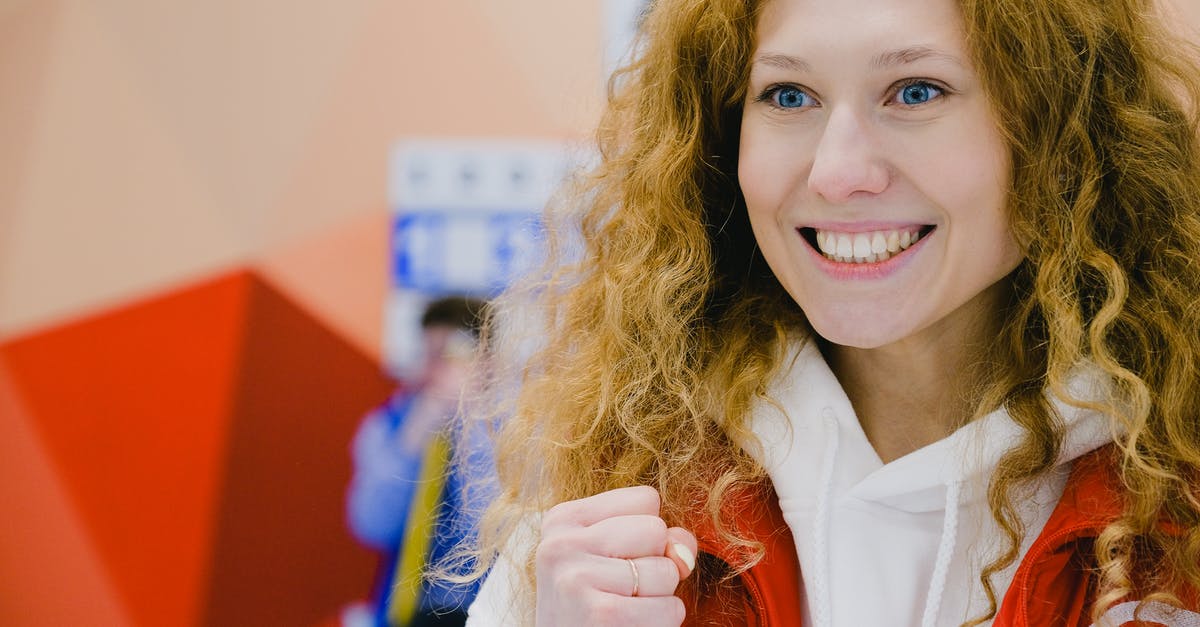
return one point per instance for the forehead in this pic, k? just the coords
(838, 27)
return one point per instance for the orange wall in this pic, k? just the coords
(148, 143)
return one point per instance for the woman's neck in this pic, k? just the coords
(919, 390)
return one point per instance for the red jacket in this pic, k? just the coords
(1052, 587)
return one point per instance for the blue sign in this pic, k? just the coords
(465, 251)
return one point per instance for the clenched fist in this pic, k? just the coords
(609, 559)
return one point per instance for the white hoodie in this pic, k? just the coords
(895, 544)
(901, 543)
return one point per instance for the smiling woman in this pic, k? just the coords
(884, 315)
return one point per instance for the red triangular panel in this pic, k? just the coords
(133, 407)
(282, 554)
(44, 547)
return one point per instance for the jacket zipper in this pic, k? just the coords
(1036, 550)
(759, 606)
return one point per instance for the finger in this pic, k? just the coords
(655, 576)
(615, 609)
(682, 550)
(587, 511)
(621, 536)
(626, 536)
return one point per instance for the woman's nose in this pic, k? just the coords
(847, 159)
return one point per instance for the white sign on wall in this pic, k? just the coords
(465, 221)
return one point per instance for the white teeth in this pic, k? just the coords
(867, 247)
(827, 243)
(844, 247)
(878, 243)
(862, 246)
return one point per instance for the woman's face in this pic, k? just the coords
(874, 173)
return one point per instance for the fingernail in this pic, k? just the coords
(686, 555)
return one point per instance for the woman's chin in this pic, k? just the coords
(863, 334)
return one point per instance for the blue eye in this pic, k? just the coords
(918, 93)
(791, 98)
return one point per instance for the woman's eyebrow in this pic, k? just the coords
(912, 54)
(783, 62)
(891, 58)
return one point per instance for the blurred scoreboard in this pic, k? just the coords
(466, 220)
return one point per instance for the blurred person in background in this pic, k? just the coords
(407, 496)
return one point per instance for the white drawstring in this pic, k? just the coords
(822, 614)
(941, 568)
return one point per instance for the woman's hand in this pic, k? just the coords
(610, 560)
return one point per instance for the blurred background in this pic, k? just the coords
(219, 222)
(204, 209)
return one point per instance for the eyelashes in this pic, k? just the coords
(909, 93)
(787, 96)
(916, 92)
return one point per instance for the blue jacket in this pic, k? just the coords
(381, 494)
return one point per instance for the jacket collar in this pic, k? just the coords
(1092, 498)
(773, 593)
(1051, 584)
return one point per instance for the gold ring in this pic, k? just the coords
(636, 579)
